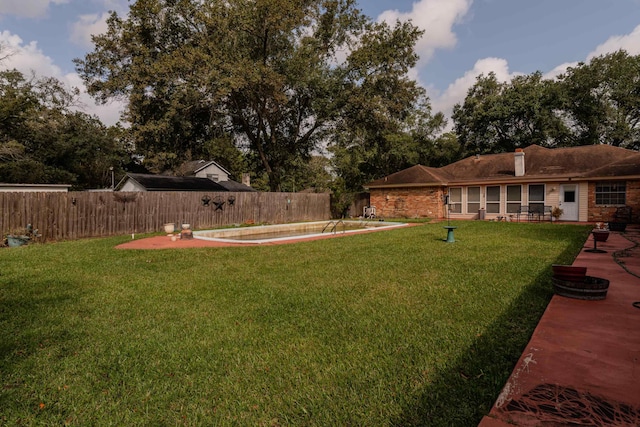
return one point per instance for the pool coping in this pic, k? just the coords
(265, 229)
(165, 242)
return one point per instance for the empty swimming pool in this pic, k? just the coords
(302, 230)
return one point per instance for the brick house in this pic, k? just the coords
(589, 183)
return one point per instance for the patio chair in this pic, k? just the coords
(369, 212)
(547, 213)
(536, 213)
(523, 210)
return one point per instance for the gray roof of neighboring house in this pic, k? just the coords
(235, 186)
(591, 161)
(173, 183)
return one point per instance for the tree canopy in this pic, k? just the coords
(592, 103)
(281, 78)
(42, 140)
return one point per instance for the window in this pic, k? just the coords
(455, 200)
(570, 196)
(514, 198)
(611, 193)
(473, 199)
(213, 176)
(493, 199)
(536, 198)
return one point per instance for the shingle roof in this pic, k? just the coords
(629, 166)
(540, 163)
(235, 186)
(415, 175)
(175, 183)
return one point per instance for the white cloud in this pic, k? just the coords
(86, 26)
(27, 8)
(436, 18)
(560, 69)
(28, 58)
(457, 91)
(629, 42)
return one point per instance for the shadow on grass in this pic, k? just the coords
(30, 323)
(465, 392)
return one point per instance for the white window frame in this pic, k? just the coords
(455, 200)
(492, 206)
(513, 205)
(473, 204)
(536, 204)
(611, 193)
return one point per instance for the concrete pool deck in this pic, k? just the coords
(582, 364)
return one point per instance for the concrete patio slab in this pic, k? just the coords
(582, 364)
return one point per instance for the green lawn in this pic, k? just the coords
(387, 328)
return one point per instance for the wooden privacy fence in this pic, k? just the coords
(74, 215)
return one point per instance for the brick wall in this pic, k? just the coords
(605, 213)
(425, 202)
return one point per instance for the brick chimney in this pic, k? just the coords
(519, 162)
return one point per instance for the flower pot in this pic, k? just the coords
(169, 228)
(600, 235)
(186, 226)
(569, 273)
(617, 226)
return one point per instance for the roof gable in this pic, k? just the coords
(195, 166)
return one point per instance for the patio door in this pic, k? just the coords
(569, 202)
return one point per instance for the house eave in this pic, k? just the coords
(411, 185)
(609, 178)
(514, 180)
(505, 180)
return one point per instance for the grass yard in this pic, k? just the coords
(388, 328)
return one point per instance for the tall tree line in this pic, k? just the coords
(45, 140)
(592, 103)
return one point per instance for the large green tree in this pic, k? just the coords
(502, 116)
(592, 103)
(44, 140)
(602, 100)
(281, 77)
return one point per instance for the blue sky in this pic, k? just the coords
(463, 38)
